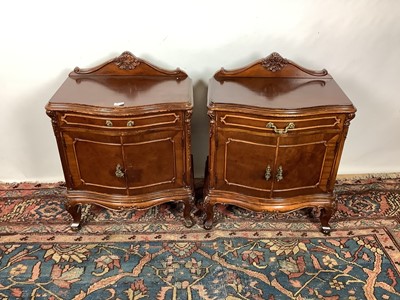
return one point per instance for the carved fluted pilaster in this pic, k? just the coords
(211, 115)
(188, 154)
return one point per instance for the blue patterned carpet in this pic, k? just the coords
(150, 255)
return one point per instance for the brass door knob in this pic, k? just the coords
(279, 174)
(268, 173)
(119, 172)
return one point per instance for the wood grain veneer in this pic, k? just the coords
(123, 134)
(277, 132)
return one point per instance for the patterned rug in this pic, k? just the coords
(149, 254)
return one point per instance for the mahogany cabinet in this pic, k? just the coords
(123, 134)
(277, 132)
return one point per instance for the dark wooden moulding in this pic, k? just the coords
(277, 132)
(123, 135)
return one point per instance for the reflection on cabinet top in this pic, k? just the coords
(106, 90)
(277, 83)
(124, 82)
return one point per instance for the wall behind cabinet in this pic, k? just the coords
(41, 41)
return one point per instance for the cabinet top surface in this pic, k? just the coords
(105, 91)
(277, 83)
(277, 93)
(125, 81)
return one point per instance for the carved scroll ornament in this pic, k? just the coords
(274, 62)
(127, 61)
(128, 64)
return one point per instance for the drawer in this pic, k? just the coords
(280, 125)
(135, 122)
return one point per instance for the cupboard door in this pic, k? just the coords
(244, 163)
(153, 161)
(95, 162)
(304, 163)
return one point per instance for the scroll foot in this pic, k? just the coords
(326, 230)
(208, 224)
(75, 226)
(76, 212)
(326, 214)
(209, 210)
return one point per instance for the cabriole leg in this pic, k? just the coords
(76, 212)
(209, 210)
(326, 214)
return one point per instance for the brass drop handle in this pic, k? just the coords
(268, 173)
(281, 131)
(130, 123)
(109, 123)
(279, 174)
(119, 172)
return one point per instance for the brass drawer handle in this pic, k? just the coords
(118, 171)
(281, 131)
(279, 174)
(268, 173)
(130, 123)
(109, 123)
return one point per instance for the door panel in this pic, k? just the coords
(304, 163)
(153, 161)
(94, 160)
(299, 165)
(242, 163)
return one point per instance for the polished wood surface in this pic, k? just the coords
(278, 93)
(128, 64)
(104, 91)
(123, 133)
(277, 131)
(274, 65)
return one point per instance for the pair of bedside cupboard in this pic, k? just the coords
(277, 132)
(123, 135)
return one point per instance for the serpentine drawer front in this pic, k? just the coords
(123, 134)
(134, 122)
(279, 126)
(277, 131)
